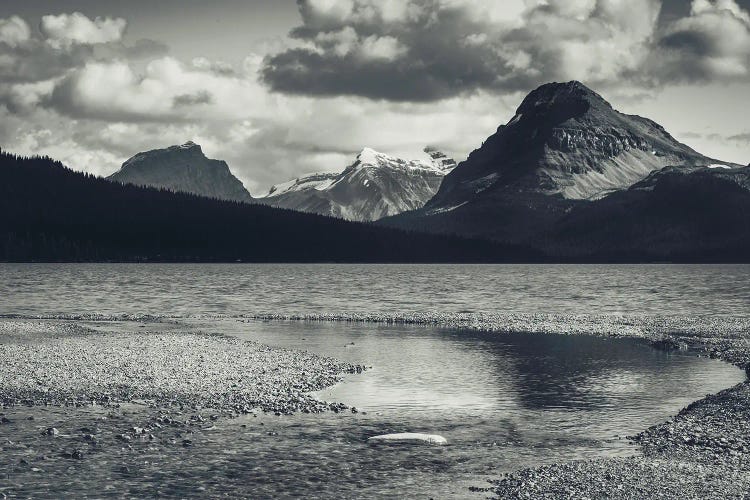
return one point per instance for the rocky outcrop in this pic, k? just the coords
(183, 169)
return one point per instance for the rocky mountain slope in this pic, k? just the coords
(374, 186)
(565, 147)
(182, 169)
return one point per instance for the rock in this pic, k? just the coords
(409, 438)
(669, 344)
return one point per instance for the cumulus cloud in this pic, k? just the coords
(167, 90)
(14, 31)
(433, 49)
(64, 42)
(713, 42)
(65, 30)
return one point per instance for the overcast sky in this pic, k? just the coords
(279, 88)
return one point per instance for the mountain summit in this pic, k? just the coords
(565, 145)
(566, 139)
(185, 169)
(376, 185)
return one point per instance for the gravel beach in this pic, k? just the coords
(66, 364)
(703, 452)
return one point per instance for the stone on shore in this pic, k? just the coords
(409, 438)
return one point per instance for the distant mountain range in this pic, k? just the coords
(182, 169)
(374, 186)
(51, 213)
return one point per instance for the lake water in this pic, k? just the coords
(183, 289)
(502, 401)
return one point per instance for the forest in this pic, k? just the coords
(50, 213)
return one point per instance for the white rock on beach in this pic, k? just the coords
(409, 438)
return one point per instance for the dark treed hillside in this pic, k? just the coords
(676, 214)
(51, 213)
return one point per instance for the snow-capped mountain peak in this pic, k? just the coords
(187, 145)
(434, 161)
(375, 185)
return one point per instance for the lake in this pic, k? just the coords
(184, 289)
(503, 401)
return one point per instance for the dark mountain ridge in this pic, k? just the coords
(565, 148)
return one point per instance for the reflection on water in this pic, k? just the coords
(182, 289)
(502, 401)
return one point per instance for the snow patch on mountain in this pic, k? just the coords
(618, 172)
(316, 180)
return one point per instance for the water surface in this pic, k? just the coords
(183, 289)
(502, 401)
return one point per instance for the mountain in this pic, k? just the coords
(51, 213)
(564, 148)
(182, 169)
(677, 213)
(374, 186)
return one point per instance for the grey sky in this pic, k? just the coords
(279, 88)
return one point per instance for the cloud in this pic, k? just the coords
(712, 43)
(167, 90)
(194, 99)
(434, 49)
(742, 138)
(14, 31)
(65, 42)
(66, 30)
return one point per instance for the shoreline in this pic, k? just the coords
(725, 338)
(702, 452)
(78, 405)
